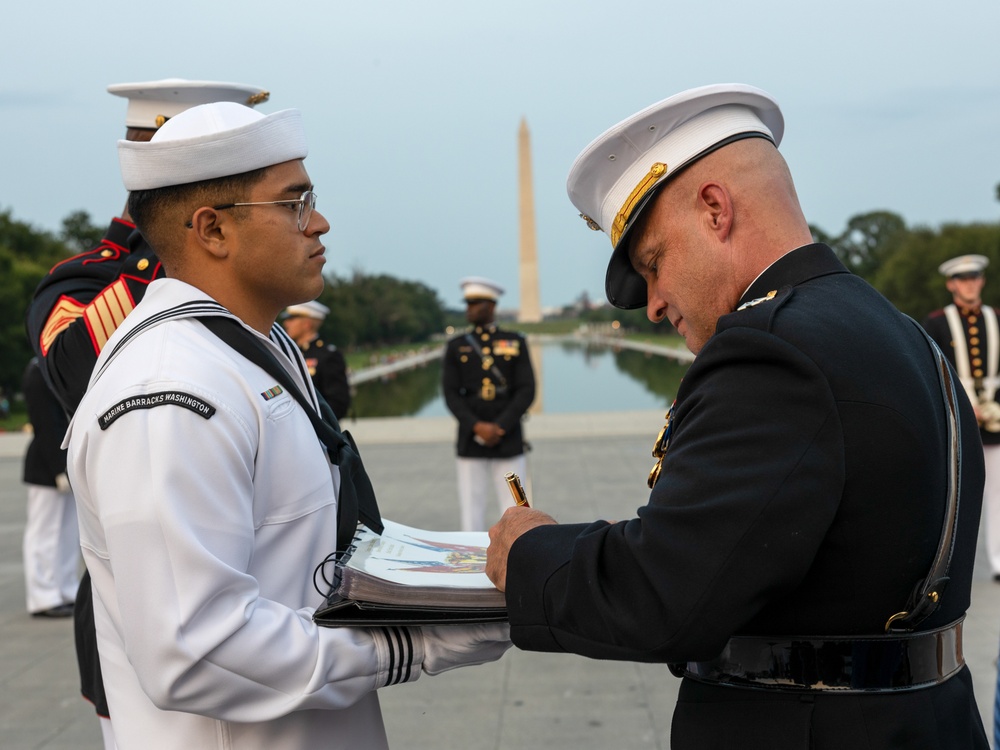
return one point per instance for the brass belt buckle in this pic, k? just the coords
(489, 391)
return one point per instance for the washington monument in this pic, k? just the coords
(530, 310)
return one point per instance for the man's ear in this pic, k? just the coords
(211, 229)
(717, 204)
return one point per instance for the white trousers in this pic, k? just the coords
(107, 734)
(51, 548)
(480, 477)
(991, 505)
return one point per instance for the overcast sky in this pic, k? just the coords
(412, 110)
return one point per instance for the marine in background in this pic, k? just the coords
(326, 363)
(51, 535)
(968, 334)
(488, 384)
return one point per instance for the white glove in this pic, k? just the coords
(452, 646)
(62, 482)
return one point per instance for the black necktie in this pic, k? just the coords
(357, 496)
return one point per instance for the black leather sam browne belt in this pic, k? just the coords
(845, 665)
(899, 660)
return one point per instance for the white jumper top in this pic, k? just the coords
(205, 502)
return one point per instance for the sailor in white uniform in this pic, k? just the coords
(205, 498)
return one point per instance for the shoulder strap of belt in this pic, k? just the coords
(357, 496)
(926, 596)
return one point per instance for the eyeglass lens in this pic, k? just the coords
(306, 206)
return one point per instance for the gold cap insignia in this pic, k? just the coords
(621, 220)
(591, 223)
(258, 98)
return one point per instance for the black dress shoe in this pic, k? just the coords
(63, 610)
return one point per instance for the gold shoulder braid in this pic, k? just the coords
(660, 446)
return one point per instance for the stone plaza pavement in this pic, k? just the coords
(583, 467)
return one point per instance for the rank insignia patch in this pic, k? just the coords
(63, 314)
(150, 400)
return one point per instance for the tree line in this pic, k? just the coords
(902, 262)
(365, 310)
(376, 310)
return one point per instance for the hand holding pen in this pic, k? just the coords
(514, 522)
(517, 489)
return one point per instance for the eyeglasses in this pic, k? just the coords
(306, 203)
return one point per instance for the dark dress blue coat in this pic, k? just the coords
(802, 493)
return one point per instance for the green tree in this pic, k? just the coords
(818, 235)
(867, 241)
(909, 276)
(26, 255)
(379, 310)
(79, 234)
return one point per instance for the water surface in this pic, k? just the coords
(571, 377)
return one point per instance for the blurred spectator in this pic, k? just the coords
(51, 536)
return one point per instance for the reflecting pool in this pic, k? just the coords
(571, 376)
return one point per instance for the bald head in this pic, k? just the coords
(746, 190)
(760, 185)
(710, 232)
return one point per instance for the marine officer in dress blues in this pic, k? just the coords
(82, 301)
(791, 558)
(488, 385)
(326, 363)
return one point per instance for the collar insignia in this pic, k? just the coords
(755, 302)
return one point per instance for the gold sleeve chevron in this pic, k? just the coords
(103, 316)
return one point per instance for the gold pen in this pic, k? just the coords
(516, 490)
